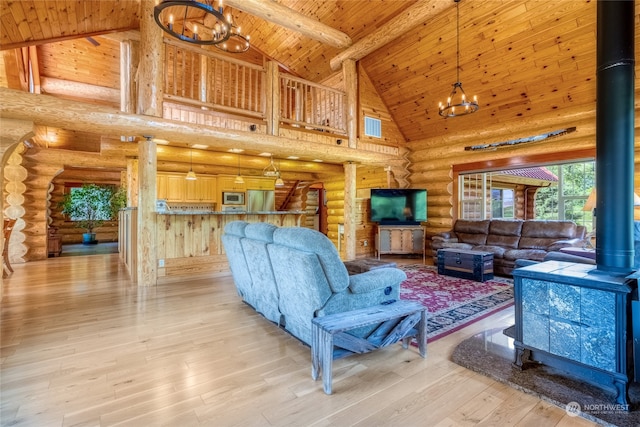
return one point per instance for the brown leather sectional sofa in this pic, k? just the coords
(510, 240)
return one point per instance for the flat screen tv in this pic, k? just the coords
(399, 206)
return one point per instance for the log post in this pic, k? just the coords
(349, 211)
(129, 57)
(272, 108)
(132, 182)
(351, 88)
(150, 70)
(147, 273)
(150, 94)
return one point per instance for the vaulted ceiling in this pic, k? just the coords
(521, 58)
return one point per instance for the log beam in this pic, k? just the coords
(396, 27)
(82, 116)
(283, 16)
(53, 86)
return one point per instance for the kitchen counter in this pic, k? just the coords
(188, 241)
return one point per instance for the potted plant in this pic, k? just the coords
(91, 205)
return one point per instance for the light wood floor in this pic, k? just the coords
(82, 346)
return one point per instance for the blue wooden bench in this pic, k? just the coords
(330, 338)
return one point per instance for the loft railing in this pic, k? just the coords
(196, 77)
(310, 105)
(200, 78)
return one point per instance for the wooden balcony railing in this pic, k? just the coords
(201, 78)
(311, 105)
(196, 77)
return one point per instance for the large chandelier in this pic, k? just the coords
(200, 23)
(457, 103)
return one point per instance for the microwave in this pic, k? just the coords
(233, 198)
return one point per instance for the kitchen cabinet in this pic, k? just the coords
(175, 188)
(227, 183)
(255, 183)
(202, 189)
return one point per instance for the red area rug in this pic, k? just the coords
(453, 303)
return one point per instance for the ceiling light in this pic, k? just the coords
(271, 170)
(457, 103)
(318, 160)
(237, 42)
(235, 150)
(279, 182)
(192, 21)
(200, 146)
(239, 179)
(293, 157)
(191, 175)
(265, 154)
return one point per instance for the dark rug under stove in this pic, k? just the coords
(491, 353)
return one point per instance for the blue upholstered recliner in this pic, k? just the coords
(293, 274)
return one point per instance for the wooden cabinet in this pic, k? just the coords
(175, 188)
(400, 239)
(227, 183)
(260, 183)
(202, 189)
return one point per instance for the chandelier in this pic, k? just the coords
(200, 23)
(237, 42)
(272, 172)
(457, 103)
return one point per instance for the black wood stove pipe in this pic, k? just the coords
(615, 136)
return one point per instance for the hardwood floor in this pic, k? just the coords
(83, 346)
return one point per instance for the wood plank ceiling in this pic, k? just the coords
(521, 58)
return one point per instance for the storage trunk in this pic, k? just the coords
(466, 264)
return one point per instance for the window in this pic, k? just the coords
(560, 193)
(502, 203)
(372, 127)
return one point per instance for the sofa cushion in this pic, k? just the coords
(308, 240)
(532, 254)
(540, 234)
(505, 233)
(472, 232)
(498, 251)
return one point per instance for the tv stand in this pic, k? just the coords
(400, 239)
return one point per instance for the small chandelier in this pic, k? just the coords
(457, 103)
(272, 171)
(198, 23)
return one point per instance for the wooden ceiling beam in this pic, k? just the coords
(81, 116)
(410, 18)
(27, 43)
(283, 16)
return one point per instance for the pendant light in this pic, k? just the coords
(239, 179)
(457, 103)
(191, 175)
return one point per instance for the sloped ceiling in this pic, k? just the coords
(521, 58)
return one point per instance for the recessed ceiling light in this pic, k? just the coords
(265, 154)
(293, 157)
(161, 141)
(199, 146)
(235, 150)
(318, 160)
